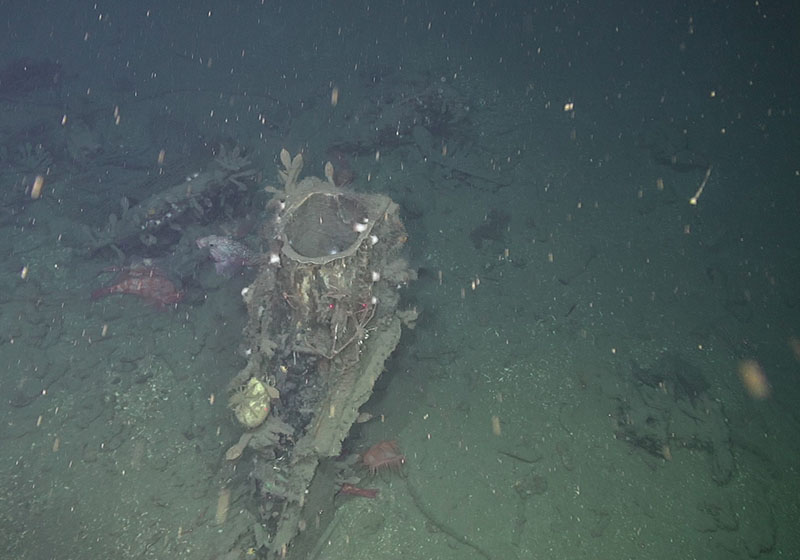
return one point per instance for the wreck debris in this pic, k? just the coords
(323, 318)
(145, 223)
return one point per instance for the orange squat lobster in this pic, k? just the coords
(383, 455)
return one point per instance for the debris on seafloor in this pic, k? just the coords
(324, 316)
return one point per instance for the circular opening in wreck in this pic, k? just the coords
(324, 225)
